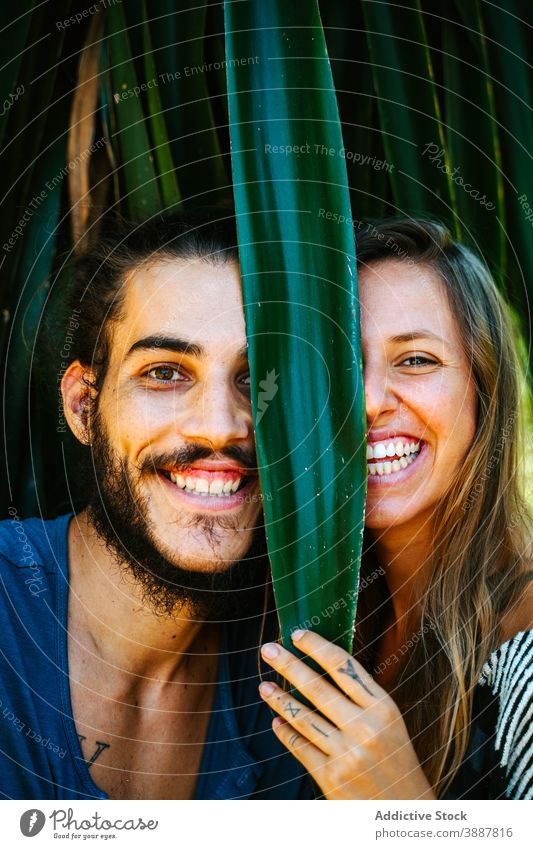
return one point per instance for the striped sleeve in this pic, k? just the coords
(509, 674)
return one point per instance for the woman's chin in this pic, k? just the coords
(390, 512)
(383, 513)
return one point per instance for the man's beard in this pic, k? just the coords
(118, 512)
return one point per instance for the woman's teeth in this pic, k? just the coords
(396, 456)
(200, 486)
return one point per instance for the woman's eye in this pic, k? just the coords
(245, 380)
(165, 374)
(418, 360)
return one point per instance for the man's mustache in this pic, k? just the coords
(190, 453)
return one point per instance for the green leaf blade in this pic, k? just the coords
(299, 279)
(167, 176)
(408, 106)
(137, 161)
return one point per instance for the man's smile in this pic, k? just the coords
(218, 486)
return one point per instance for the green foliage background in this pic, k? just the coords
(408, 75)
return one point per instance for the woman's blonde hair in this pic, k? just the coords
(479, 562)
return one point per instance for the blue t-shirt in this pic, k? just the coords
(40, 753)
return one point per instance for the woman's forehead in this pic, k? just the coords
(398, 296)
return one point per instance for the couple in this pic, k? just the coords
(131, 631)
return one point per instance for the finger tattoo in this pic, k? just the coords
(294, 711)
(292, 739)
(324, 734)
(349, 669)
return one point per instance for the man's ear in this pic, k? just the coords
(78, 395)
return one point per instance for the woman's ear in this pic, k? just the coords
(78, 395)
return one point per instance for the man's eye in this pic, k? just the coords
(418, 360)
(245, 379)
(165, 374)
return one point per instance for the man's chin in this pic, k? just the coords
(201, 585)
(202, 572)
(203, 560)
(216, 596)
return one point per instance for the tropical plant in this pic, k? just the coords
(125, 106)
(298, 271)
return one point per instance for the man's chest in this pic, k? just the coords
(143, 752)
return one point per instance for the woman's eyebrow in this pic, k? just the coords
(415, 334)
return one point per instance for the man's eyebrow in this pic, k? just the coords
(415, 334)
(179, 346)
(166, 343)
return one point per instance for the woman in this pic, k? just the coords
(438, 700)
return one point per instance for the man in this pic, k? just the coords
(130, 630)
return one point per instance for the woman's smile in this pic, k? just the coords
(395, 460)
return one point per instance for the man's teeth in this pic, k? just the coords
(403, 452)
(202, 487)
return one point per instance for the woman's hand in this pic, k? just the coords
(357, 747)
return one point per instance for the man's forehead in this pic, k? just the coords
(194, 302)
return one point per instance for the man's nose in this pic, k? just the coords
(380, 397)
(218, 415)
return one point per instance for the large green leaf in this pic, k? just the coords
(167, 176)
(409, 108)
(136, 153)
(511, 61)
(14, 27)
(23, 470)
(299, 280)
(28, 139)
(367, 166)
(31, 178)
(179, 36)
(473, 138)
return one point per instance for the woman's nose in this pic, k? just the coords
(380, 397)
